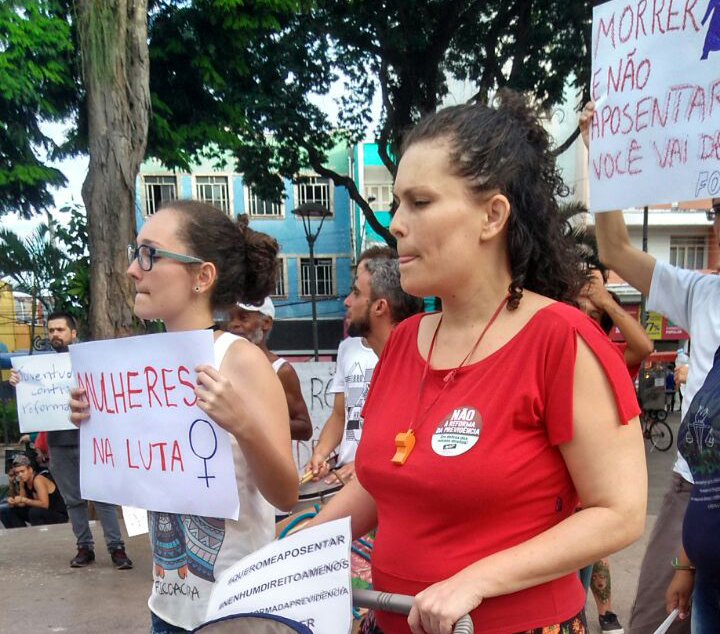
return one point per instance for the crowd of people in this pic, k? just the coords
(492, 448)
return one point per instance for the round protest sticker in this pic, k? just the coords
(458, 432)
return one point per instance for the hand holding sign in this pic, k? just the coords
(218, 398)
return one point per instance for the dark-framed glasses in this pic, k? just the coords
(713, 212)
(146, 255)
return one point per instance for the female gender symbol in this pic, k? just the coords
(211, 441)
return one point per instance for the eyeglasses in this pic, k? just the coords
(713, 212)
(146, 255)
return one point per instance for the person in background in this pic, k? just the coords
(37, 501)
(255, 323)
(690, 299)
(603, 308)
(375, 306)
(64, 465)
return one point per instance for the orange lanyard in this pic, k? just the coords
(405, 441)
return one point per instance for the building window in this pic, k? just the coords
(158, 189)
(314, 189)
(324, 277)
(688, 252)
(379, 196)
(259, 207)
(280, 281)
(213, 190)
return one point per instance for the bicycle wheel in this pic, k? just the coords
(661, 435)
(661, 414)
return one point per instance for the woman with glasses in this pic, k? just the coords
(189, 261)
(488, 422)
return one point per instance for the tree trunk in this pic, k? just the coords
(114, 49)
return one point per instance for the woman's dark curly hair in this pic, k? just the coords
(245, 260)
(506, 148)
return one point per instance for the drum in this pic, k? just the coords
(312, 494)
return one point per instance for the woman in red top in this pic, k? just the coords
(487, 423)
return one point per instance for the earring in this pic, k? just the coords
(197, 289)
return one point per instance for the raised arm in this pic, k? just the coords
(639, 345)
(614, 246)
(300, 424)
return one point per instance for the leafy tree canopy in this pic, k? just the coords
(37, 83)
(235, 76)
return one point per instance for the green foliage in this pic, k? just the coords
(52, 264)
(71, 292)
(37, 83)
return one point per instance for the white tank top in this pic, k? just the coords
(190, 552)
(278, 363)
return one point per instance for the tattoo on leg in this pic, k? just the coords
(600, 581)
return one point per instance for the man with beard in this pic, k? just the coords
(375, 305)
(254, 323)
(65, 469)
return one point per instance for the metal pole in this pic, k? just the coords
(313, 290)
(643, 312)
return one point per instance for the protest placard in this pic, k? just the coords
(315, 380)
(305, 577)
(43, 392)
(147, 443)
(655, 137)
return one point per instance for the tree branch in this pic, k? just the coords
(349, 184)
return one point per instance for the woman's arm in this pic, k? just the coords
(612, 517)
(354, 501)
(245, 398)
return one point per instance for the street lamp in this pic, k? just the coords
(307, 211)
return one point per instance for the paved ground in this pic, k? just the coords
(41, 593)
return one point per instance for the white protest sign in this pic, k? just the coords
(147, 443)
(43, 392)
(136, 520)
(315, 379)
(655, 137)
(304, 577)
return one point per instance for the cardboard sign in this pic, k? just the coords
(43, 391)
(655, 137)
(305, 577)
(147, 444)
(315, 379)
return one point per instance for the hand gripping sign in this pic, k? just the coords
(147, 444)
(655, 137)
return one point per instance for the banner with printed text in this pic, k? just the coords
(655, 80)
(304, 577)
(147, 444)
(43, 393)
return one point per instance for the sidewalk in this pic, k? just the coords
(41, 593)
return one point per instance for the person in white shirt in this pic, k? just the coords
(690, 299)
(375, 305)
